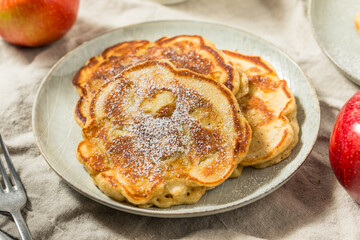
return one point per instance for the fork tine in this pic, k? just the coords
(4, 174)
(15, 177)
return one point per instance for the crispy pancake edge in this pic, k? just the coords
(271, 158)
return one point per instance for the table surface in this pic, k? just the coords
(311, 205)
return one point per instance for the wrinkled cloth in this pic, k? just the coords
(311, 205)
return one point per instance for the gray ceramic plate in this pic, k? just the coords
(57, 134)
(333, 26)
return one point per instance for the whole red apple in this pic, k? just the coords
(344, 147)
(36, 22)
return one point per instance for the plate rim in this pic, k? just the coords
(348, 75)
(169, 214)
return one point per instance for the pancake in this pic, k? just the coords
(191, 52)
(101, 69)
(157, 135)
(270, 109)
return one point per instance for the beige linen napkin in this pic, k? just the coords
(311, 205)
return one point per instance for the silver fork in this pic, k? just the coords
(13, 197)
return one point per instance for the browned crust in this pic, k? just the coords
(219, 60)
(94, 60)
(95, 166)
(285, 88)
(75, 80)
(104, 53)
(256, 103)
(80, 118)
(80, 157)
(255, 59)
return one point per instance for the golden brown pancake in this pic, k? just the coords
(270, 109)
(157, 135)
(191, 52)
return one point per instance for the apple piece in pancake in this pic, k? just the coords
(162, 136)
(270, 109)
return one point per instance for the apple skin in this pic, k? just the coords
(344, 147)
(35, 23)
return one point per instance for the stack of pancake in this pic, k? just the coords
(165, 121)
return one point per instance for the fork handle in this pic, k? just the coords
(21, 225)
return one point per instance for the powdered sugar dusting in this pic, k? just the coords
(143, 143)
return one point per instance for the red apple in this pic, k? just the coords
(36, 22)
(344, 147)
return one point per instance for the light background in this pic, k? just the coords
(311, 205)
